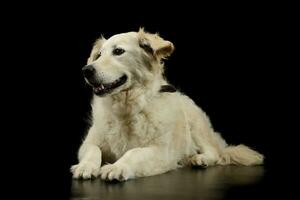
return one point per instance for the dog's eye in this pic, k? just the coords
(118, 51)
(97, 56)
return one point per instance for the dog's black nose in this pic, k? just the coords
(88, 71)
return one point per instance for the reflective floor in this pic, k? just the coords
(211, 183)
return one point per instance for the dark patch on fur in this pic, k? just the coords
(147, 47)
(167, 88)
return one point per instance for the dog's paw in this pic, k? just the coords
(203, 160)
(120, 172)
(85, 170)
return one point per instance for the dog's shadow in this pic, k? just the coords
(185, 183)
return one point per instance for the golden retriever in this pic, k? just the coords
(141, 126)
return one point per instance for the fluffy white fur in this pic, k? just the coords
(138, 131)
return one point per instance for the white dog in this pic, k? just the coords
(140, 124)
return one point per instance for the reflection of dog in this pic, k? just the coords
(211, 183)
(140, 123)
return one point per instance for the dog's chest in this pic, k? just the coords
(129, 132)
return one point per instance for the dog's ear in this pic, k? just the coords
(96, 48)
(155, 45)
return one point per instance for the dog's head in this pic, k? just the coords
(125, 61)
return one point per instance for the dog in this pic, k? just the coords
(141, 126)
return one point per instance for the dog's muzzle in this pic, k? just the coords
(100, 88)
(88, 71)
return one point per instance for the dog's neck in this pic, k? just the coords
(132, 101)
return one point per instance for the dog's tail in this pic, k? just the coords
(240, 155)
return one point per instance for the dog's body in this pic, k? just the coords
(140, 128)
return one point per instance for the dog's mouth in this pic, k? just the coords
(102, 89)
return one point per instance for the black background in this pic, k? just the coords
(232, 60)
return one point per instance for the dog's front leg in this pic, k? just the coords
(137, 162)
(89, 156)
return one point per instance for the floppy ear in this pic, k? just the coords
(155, 45)
(96, 48)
